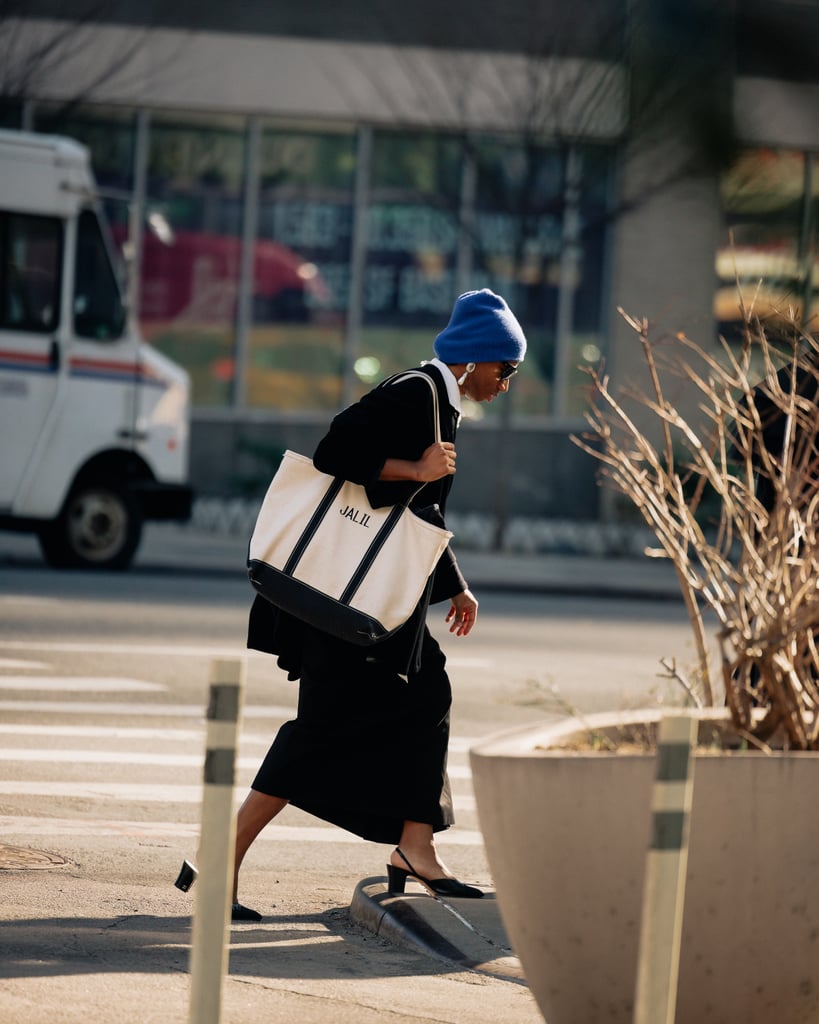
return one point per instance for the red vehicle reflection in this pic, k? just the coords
(193, 277)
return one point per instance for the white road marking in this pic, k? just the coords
(118, 732)
(275, 832)
(133, 710)
(157, 759)
(130, 757)
(157, 650)
(138, 793)
(7, 663)
(73, 684)
(457, 744)
(177, 650)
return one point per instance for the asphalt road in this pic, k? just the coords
(103, 687)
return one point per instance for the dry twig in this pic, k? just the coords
(756, 565)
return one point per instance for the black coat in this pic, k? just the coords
(394, 420)
(368, 748)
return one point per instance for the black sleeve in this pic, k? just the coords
(391, 421)
(448, 580)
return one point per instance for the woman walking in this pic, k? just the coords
(367, 750)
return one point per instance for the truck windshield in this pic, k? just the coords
(98, 309)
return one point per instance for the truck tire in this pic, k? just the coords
(99, 527)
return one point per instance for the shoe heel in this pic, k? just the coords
(187, 876)
(396, 879)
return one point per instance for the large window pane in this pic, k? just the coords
(192, 247)
(539, 240)
(763, 205)
(412, 249)
(518, 244)
(586, 271)
(301, 269)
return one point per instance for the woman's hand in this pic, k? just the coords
(463, 613)
(437, 461)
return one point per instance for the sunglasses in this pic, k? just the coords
(507, 370)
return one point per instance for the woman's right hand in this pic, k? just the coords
(437, 461)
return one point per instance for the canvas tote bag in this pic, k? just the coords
(322, 553)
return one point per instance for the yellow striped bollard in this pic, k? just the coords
(211, 920)
(664, 885)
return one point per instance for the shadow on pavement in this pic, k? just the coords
(328, 944)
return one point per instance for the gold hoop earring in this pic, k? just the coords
(469, 368)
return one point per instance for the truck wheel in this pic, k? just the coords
(99, 527)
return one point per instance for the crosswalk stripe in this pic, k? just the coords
(158, 650)
(277, 712)
(130, 757)
(136, 792)
(71, 684)
(179, 650)
(457, 744)
(161, 733)
(157, 759)
(118, 732)
(134, 710)
(275, 832)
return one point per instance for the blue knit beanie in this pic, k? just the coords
(482, 329)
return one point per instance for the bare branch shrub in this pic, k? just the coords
(755, 563)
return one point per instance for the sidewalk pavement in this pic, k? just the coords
(467, 934)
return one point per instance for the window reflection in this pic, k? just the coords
(587, 280)
(764, 255)
(444, 214)
(540, 227)
(301, 269)
(190, 276)
(412, 250)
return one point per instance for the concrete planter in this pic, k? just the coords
(566, 836)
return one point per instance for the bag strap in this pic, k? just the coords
(398, 510)
(435, 414)
(434, 388)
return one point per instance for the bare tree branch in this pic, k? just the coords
(756, 568)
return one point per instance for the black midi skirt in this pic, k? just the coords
(368, 748)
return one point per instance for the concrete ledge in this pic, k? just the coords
(465, 937)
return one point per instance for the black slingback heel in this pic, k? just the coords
(397, 878)
(188, 875)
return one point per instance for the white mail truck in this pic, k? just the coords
(94, 422)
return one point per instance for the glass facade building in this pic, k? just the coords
(288, 266)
